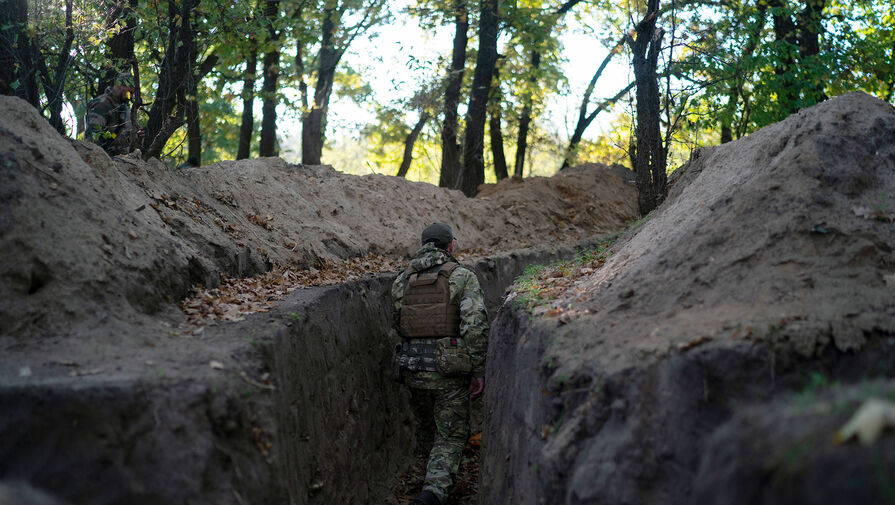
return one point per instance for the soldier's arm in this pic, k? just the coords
(397, 299)
(467, 292)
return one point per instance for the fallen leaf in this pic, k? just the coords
(217, 365)
(868, 422)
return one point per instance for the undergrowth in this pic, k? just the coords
(542, 284)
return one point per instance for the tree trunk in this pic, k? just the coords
(473, 171)
(585, 118)
(120, 46)
(810, 26)
(525, 116)
(450, 147)
(268, 144)
(53, 85)
(18, 71)
(193, 129)
(176, 67)
(649, 155)
(247, 126)
(271, 71)
(314, 121)
(494, 127)
(409, 143)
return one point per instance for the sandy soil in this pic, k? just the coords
(784, 236)
(100, 250)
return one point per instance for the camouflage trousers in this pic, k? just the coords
(443, 416)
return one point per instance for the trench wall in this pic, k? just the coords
(637, 436)
(345, 429)
(336, 428)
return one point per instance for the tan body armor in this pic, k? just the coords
(427, 315)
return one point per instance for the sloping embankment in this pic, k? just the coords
(768, 274)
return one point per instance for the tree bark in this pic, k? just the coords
(176, 67)
(18, 71)
(494, 129)
(473, 171)
(525, 116)
(810, 26)
(450, 147)
(409, 143)
(54, 85)
(271, 72)
(120, 57)
(247, 126)
(649, 153)
(314, 121)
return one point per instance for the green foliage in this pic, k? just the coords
(536, 286)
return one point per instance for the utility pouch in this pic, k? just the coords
(452, 358)
(396, 364)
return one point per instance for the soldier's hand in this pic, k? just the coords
(476, 386)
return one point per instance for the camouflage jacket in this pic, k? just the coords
(108, 123)
(465, 291)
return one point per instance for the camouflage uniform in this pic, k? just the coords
(446, 399)
(109, 123)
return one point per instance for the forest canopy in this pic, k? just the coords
(223, 80)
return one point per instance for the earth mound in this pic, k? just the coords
(92, 245)
(771, 259)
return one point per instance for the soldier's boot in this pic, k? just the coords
(426, 498)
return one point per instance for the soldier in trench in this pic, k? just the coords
(440, 314)
(108, 120)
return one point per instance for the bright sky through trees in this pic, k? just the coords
(402, 55)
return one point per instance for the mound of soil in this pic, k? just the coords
(92, 245)
(771, 257)
(785, 236)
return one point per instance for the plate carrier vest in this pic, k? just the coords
(427, 314)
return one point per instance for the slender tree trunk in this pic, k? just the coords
(18, 71)
(810, 26)
(649, 154)
(271, 71)
(300, 71)
(268, 144)
(247, 126)
(53, 85)
(314, 121)
(473, 172)
(525, 116)
(193, 129)
(450, 147)
(409, 143)
(585, 119)
(494, 127)
(120, 55)
(176, 68)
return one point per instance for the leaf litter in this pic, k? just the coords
(238, 297)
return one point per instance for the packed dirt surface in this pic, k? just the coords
(770, 264)
(93, 246)
(785, 236)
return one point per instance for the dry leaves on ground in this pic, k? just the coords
(236, 297)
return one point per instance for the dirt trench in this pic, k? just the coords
(330, 427)
(716, 354)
